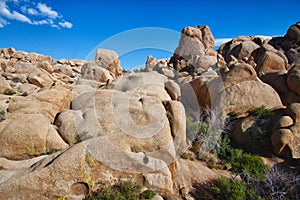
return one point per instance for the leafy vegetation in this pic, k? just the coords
(258, 181)
(241, 162)
(233, 190)
(261, 112)
(205, 132)
(123, 191)
(9, 93)
(47, 153)
(147, 194)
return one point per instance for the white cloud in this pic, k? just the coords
(31, 13)
(41, 22)
(5, 12)
(220, 41)
(3, 22)
(66, 24)
(47, 11)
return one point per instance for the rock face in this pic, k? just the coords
(128, 131)
(285, 138)
(244, 91)
(195, 51)
(109, 60)
(240, 47)
(268, 60)
(237, 90)
(291, 39)
(28, 124)
(71, 127)
(293, 77)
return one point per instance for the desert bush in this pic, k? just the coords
(232, 190)
(205, 132)
(9, 93)
(278, 184)
(246, 164)
(261, 112)
(147, 194)
(122, 191)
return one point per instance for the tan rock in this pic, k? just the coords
(40, 78)
(177, 119)
(173, 89)
(238, 72)
(86, 165)
(292, 37)
(28, 88)
(142, 84)
(4, 86)
(195, 42)
(283, 122)
(25, 136)
(251, 94)
(18, 164)
(281, 140)
(109, 60)
(46, 66)
(64, 69)
(46, 102)
(240, 47)
(294, 111)
(269, 60)
(293, 79)
(8, 52)
(93, 71)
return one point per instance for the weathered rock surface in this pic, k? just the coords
(269, 60)
(293, 78)
(237, 90)
(103, 127)
(285, 138)
(240, 47)
(28, 124)
(109, 60)
(83, 164)
(195, 51)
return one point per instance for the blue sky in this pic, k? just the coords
(72, 29)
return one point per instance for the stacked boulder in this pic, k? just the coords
(285, 137)
(194, 55)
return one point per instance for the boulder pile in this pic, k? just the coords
(71, 127)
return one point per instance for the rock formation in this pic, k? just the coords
(70, 127)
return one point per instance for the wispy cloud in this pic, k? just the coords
(14, 15)
(66, 24)
(31, 13)
(3, 22)
(47, 11)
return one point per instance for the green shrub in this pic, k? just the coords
(240, 161)
(147, 194)
(233, 190)
(191, 125)
(247, 164)
(261, 112)
(9, 93)
(123, 191)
